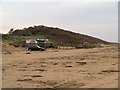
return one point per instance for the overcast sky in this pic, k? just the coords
(99, 19)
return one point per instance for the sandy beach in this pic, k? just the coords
(74, 68)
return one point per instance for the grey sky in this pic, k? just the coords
(99, 19)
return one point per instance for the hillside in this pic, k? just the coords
(55, 34)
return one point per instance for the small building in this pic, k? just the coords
(45, 43)
(27, 43)
(40, 42)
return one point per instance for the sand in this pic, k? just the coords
(74, 68)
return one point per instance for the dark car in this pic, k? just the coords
(36, 48)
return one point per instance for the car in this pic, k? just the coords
(36, 48)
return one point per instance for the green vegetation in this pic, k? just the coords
(14, 40)
(58, 36)
(17, 40)
(37, 36)
(88, 45)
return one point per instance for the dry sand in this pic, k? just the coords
(76, 68)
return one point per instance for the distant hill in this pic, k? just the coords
(56, 35)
